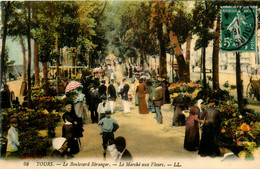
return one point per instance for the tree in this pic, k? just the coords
(157, 22)
(28, 22)
(6, 10)
(215, 55)
(203, 28)
(16, 28)
(180, 29)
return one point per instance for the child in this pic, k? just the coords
(13, 143)
(102, 107)
(108, 126)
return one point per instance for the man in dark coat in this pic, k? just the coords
(121, 147)
(124, 96)
(93, 102)
(158, 100)
(112, 96)
(102, 90)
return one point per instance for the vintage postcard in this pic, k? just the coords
(130, 84)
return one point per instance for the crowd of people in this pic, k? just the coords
(144, 88)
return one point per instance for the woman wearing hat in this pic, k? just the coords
(141, 91)
(13, 143)
(191, 141)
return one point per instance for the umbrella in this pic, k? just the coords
(72, 85)
(97, 69)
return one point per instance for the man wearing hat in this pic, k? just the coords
(93, 101)
(108, 126)
(13, 143)
(158, 100)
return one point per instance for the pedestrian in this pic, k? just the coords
(96, 79)
(13, 143)
(103, 107)
(158, 100)
(130, 71)
(124, 96)
(16, 103)
(93, 102)
(70, 117)
(108, 126)
(112, 96)
(5, 98)
(141, 91)
(178, 118)
(102, 89)
(25, 103)
(113, 76)
(126, 71)
(191, 141)
(211, 128)
(80, 107)
(69, 132)
(151, 90)
(136, 83)
(118, 151)
(165, 85)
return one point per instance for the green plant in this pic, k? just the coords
(33, 145)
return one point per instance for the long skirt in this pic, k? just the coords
(191, 141)
(112, 106)
(208, 145)
(143, 108)
(126, 105)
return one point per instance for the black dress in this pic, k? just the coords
(209, 143)
(68, 132)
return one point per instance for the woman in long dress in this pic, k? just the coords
(141, 91)
(209, 144)
(191, 141)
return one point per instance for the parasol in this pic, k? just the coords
(72, 85)
(97, 69)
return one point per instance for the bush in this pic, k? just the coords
(33, 145)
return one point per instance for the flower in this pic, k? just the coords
(244, 127)
(223, 130)
(240, 116)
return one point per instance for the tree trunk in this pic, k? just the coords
(188, 55)
(162, 55)
(172, 62)
(183, 67)
(45, 78)
(57, 65)
(24, 58)
(142, 58)
(29, 54)
(36, 63)
(204, 67)
(6, 15)
(239, 83)
(215, 58)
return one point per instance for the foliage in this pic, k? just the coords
(33, 145)
(183, 87)
(236, 130)
(47, 102)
